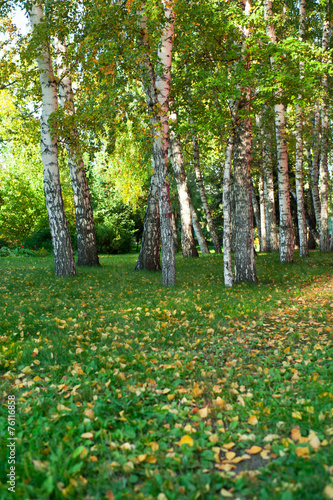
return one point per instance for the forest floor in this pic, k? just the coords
(128, 390)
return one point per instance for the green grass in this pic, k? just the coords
(110, 371)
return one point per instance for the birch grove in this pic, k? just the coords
(250, 91)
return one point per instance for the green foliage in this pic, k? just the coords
(17, 252)
(114, 237)
(22, 205)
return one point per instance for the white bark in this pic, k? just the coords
(324, 238)
(157, 92)
(286, 240)
(315, 165)
(302, 231)
(201, 187)
(245, 270)
(198, 230)
(228, 276)
(270, 211)
(62, 246)
(177, 162)
(263, 242)
(175, 232)
(85, 226)
(256, 212)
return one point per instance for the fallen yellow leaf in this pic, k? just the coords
(295, 434)
(302, 451)
(87, 435)
(254, 450)
(186, 440)
(203, 412)
(228, 446)
(252, 420)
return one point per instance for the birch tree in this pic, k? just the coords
(286, 240)
(324, 238)
(201, 187)
(303, 240)
(263, 242)
(61, 242)
(244, 248)
(228, 275)
(149, 256)
(198, 230)
(157, 88)
(315, 164)
(85, 226)
(270, 211)
(177, 162)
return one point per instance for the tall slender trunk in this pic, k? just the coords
(286, 231)
(198, 230)
(324, 238)
(315, 165)
(256, 211)
(175, 232)
(270, 211)
(302, 231)
(331, 237)
(157, 90)
(263, 244)
(85, 226)
(228, 276)
(177, 162)
(61, 242)
(309, 222)
(244, 249)
(201, 187)
(149, 256)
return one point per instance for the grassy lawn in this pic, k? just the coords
(127, 390)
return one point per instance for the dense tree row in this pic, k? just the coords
(226, 89)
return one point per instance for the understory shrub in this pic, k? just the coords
(41, 239)
(113, 240)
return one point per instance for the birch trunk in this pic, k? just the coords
(263, 245)
(315, 166)
(244, 249)
(270, 212)
(302, 231)
(285, 226)
(198, 230)
(157, 92)
(177, 162)
(61, 242)
(85, 226)
(324, 238)
(200, 184)
(261, 209)
(228, 276)
(175, 232)
(256, 211)
(310, 225)
(149, 256)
